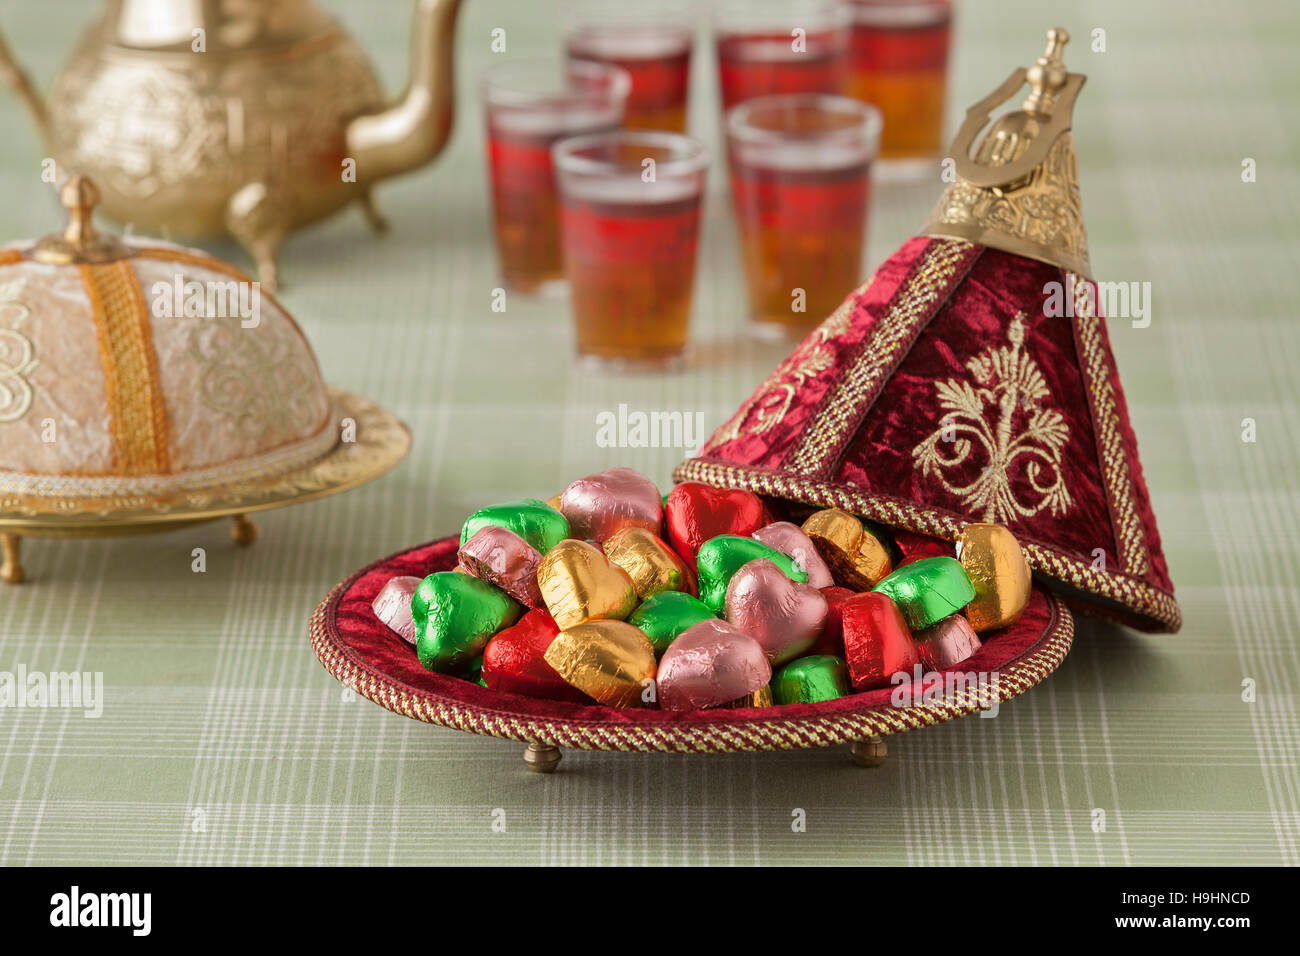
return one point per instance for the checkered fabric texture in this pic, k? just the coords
(223, 741)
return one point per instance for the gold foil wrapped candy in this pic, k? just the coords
(578, 583)
(648, 561)
(610, 661)
(856, 557)
(992, 558)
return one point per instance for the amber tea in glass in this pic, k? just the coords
(531, 105)
(800, 183)
(768, 47)
(630, 216)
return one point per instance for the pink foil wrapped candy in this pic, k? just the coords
(392, 605)
(790, 540)
(606, 502)
(947, 643)
(499, 556)
(784, 616)
(710, 664)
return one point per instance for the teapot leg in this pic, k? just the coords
(870, 752)
(259, 222)
(11, 570)
(374, 217)
(243, 532)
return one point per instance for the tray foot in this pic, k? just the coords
(11, 569)
(870, 752)
(542, 758)
(243, 532)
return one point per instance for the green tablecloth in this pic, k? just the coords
(223, 741)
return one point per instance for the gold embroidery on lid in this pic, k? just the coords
(17, 353)
(1008, 380)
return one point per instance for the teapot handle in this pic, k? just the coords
(15, 77)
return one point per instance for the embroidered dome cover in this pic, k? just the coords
(145, 369)
(971, 379)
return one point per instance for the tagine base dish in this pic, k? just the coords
(376, 663)
(381, 442)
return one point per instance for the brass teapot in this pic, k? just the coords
(247, 118)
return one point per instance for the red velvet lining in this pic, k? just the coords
(359, 636)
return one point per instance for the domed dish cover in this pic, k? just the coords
(108, 388)
(971, 378)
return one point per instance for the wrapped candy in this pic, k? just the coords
(578, 583)
(648, 561)
(515, 661)
(991, 557)
(533, 520)
(499, 556)
(947, 643)
(928, 590)
(711, 664)
(784, 616)
(811, 680)
(454, 615)
(877, 642)
(695, 512)
(790, 540)
(665, 615)
(392, 605)
(599, 505)
(831, 639)
(610, 661)
(759, 698)
(722, 556)
(856, 557)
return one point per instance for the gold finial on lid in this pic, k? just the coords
(1018, 190)
(80, 242)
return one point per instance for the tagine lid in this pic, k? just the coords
(970, 381)
(133, 373)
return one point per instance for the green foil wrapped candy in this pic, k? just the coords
(531, 518)
(809, 680)
(722, 556)
(928, 590)
(454, 615)
(664, 615)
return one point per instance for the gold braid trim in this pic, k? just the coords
(1110, 446)
(1138, 596)
(715, 733)
(136, 413)
(913, 305)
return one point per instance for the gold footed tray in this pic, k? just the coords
(381, 442)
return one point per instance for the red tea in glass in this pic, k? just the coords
(630, 217)
(770, 47)
(652, 43)
(900, 65)
(530, 106)
(800, 182)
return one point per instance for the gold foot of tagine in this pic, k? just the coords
(242, 119)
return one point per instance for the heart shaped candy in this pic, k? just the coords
(790, 540)
(723, 556)
(454, 615)
(811, 680)
(601, 504)
(579, 584)
(928, 590)
(856, 557)
(499, 556)
(535, 521)
(784, 616)
(610, 661)
(996, 566)
(696, 512)
(947, 643)
(648, 561)
(709, 665)
(515, 661)
(665, 615)
(392, 605)
(877, 642)
(831, 639)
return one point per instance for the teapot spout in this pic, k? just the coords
(15, 77)
(413, 130)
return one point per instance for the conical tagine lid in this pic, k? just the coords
(971, 378)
